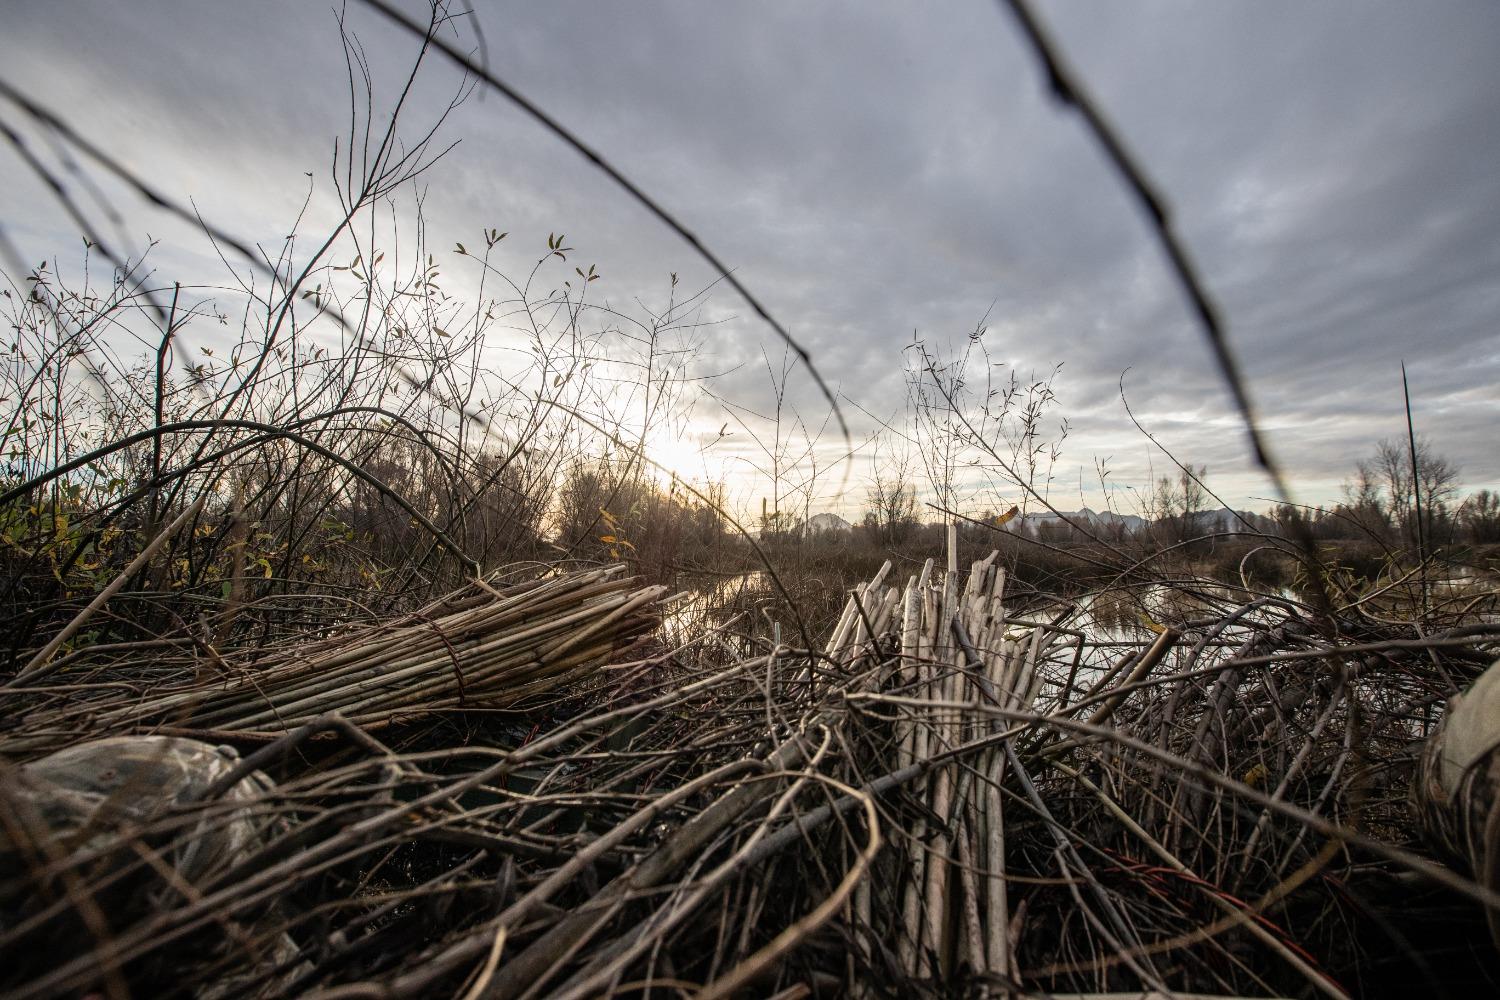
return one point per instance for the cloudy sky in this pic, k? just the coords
(874, 171)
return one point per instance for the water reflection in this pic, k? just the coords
(712, 602)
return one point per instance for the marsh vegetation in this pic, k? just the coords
(529, 708)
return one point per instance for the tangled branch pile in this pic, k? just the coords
(949, 797)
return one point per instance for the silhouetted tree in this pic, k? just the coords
(891, 504)
(1386, 479)
(1480, 517)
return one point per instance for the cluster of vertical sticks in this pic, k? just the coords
(955, 652)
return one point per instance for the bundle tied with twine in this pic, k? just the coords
(480, 647)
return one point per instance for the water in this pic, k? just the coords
(711, 602)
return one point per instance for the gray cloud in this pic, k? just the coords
(872, 170)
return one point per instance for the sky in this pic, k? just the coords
(877, 173)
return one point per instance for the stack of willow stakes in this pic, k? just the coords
(956, 651)
(476, 647)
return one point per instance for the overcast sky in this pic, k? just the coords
(877, 170)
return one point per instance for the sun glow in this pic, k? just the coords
(683, 453)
